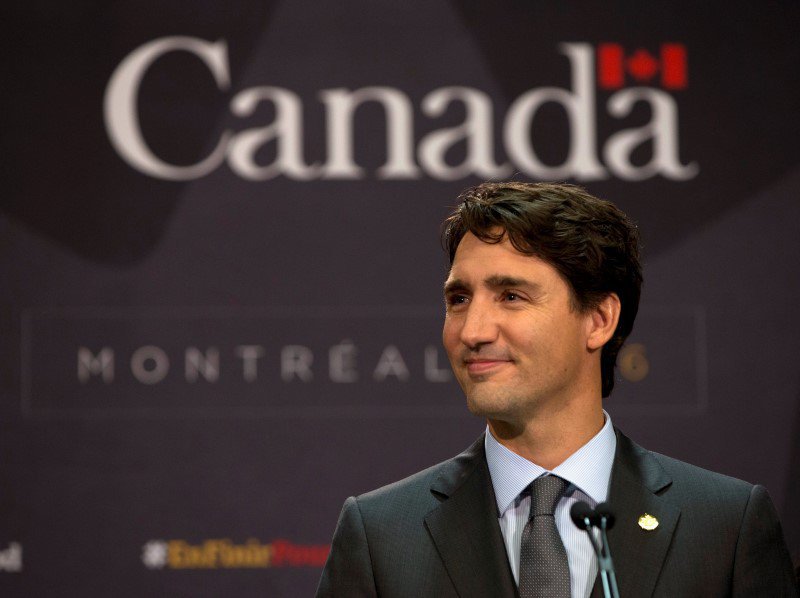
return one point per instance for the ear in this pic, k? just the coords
(603, 321)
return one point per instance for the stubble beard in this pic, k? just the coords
(494, 404)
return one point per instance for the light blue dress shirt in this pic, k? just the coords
(588, 471)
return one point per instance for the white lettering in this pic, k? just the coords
(581, 162)
(197, 363)
(433, 373)
(476, 130)
(250, 354)
(340, 105)
(90, 365)
(149, 354)
(391, 364)
(11, 558)
(286, 130)
(662, 129)
(342, 362)
(296, 361)
(122, 116)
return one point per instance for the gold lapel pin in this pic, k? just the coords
(647, 522)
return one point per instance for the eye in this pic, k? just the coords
(455, 300)
(512, 296)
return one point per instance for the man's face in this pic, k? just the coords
(514, 340)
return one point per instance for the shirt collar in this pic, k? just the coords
(588, 468)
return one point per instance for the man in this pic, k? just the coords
(542, 292)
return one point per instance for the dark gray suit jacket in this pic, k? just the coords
(436, 534)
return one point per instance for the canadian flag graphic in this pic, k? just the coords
(613, 66)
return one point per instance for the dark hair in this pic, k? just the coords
(590, 241)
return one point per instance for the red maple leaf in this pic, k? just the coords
(642, 65)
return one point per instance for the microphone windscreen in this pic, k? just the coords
(580, 512)
(604, 510)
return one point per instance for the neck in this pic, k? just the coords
(550, 437)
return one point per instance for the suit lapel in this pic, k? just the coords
(465, 531)
(638, 485)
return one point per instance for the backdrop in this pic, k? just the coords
(221, 273)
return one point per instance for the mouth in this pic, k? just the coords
(478, 367)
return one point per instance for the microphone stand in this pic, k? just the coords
(608, 576)
(585, 518)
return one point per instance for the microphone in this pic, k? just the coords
(604, 511)
(585, 517)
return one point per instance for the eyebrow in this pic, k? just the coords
(496, 281)
(501, 281)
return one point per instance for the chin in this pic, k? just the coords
(489, 407)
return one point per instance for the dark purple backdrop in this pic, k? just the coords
(199, 364)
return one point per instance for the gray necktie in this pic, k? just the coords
(543, 566)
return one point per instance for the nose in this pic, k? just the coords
(479, 325)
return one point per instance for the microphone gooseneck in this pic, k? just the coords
(604, 510)
(602, 517)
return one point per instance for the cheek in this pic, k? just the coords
(449, 329)
(451, 336)
(522, 340)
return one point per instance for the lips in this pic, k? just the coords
(484, 366)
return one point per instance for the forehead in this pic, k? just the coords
(475, 258)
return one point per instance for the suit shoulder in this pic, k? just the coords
(415, 479)
(693, 480)
(418, 492)
(409, 489)
(659, 471)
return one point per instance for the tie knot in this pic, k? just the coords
(545, 494)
